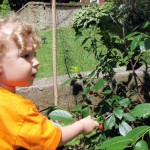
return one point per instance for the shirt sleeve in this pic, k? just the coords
(38, 133)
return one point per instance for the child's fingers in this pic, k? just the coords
(89, 116)
(96, 123)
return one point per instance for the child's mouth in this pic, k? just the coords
(34, 75)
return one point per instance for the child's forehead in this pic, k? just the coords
(7, 28)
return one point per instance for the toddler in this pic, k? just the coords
(21, 125)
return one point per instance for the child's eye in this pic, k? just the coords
(29, 55)
(26, 56)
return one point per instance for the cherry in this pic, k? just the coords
(100, 127)
(91, 92)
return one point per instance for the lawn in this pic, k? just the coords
(69, 53)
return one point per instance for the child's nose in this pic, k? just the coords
(35, 62)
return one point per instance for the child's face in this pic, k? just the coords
(18, 69)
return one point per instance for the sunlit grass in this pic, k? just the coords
(69, 53)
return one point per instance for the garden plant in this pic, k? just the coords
(118, 35)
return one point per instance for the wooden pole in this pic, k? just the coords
(54, 52)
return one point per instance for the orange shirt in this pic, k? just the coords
(21, 125)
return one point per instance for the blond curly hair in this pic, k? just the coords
(21, 33)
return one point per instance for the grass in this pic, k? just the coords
(69, 53)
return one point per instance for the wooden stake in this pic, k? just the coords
(54, 52)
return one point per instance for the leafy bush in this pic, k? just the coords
(117, 36)
(5, 8)
(118, 27)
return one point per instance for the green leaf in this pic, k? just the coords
(75, 69)
(141, 110)
(124, 102)
(131, 35)
(128, 117)
(116, 97)
(86, 112)
(92, 74)
(141, 145)
(135, 42)
(74, 142)
(107, 92)
(85, 40)
(91, 134)
(116, 143)
(99, 84)
(137, 132)
(124, 128)
(110, 122)
(68, 81)
(61, 115)
(118, 113)
(146, 24)
(77, 108)
(145, 45)
(86, 90)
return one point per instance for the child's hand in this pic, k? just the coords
(83, 126)
(88, 125)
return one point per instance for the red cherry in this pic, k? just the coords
(100, 127)
(91, 92)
